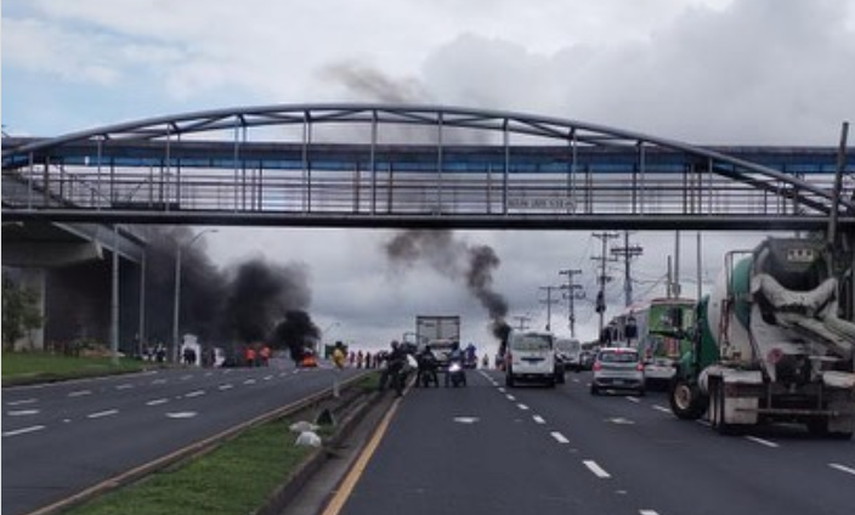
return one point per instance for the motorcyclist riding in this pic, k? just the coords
(395, 369)
(455, 375)
(427, 368)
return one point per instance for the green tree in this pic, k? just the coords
(21, 312)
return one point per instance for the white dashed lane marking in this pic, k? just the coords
(102, 414)
(842, 468)
(23, 431)
(596, 469)
(195, 394)
(226, 386)
(80, 393)
(538, 419)
(21, 402)
(157, 402)
(522, 407)
(559, 437)
(663, 409)
(22, 412)
(762, 441)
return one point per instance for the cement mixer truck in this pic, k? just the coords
(769, 345)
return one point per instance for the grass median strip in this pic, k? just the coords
(238, 477)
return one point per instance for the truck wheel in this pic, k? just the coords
(687, 401)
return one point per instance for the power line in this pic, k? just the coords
(628, 252)
(571, 295)
(549, 302)
(600, 306)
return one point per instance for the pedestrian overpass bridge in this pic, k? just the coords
(376, 165)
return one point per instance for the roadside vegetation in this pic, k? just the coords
(25, 367)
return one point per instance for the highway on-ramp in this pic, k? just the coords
(61, 438)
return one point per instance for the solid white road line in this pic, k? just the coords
(101, 414)
(762, 441)
(559, 437)
(16, 432)
(596, 469)
(538, 419)
(157, 402)
(80, 393)
(842, 468)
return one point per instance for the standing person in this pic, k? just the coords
(394, 371)
(265, 355)
(339, 359)
(339, 355)
(250, 356)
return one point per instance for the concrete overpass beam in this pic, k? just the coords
(50, 254)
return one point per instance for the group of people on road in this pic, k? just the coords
(257, 355)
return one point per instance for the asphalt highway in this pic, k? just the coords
(59, 439)
(490, 450)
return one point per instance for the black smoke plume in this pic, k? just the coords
(455, 259)
(296, 333)
(261, 296)
(202, 286)
(231, 308)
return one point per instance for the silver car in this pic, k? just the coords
(618, 368)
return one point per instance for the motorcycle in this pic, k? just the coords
(456, 375)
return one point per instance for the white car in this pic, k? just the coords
(618, 368)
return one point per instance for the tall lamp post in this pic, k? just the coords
(177, 301)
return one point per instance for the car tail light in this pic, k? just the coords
(597, 366)
(640, 367)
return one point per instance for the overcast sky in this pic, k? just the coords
(774, 72)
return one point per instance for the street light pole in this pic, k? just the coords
(177, 301)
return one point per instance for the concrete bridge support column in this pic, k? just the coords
(34, 279)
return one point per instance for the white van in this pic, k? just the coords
(568, 351)
(530, 356)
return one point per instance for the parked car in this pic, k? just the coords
(618, 368)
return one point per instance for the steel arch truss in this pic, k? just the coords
(403, 165)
